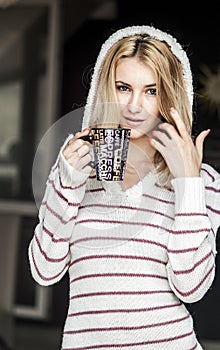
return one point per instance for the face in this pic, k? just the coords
(136, 94)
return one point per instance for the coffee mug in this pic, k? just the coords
(110, 147)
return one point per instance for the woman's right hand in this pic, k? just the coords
(78, 152)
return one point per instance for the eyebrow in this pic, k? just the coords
(146, 86)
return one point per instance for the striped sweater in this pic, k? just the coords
(134, 257)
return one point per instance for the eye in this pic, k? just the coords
(122, 88)
(151, 92)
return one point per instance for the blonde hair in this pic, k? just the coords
(171, 89)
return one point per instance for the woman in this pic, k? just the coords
(136, 251)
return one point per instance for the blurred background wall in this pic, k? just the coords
(47, 51)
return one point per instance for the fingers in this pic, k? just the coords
(74, 152)
(78, 157)
(200, 141)
(84, 160)
(179, 123)
(176, 146)
(164, 136)
(72, 147)
(158, 145)
(78, 151)
(178, 133)
(80, 134)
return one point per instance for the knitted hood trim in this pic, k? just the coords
(175, 47)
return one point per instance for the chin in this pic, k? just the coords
(136, 134)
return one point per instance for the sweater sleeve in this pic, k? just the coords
(48, 250)
(192, 239)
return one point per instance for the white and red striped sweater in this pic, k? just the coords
(134, 258)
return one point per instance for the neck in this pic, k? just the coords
(140, 161)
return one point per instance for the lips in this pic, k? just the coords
(133, 121)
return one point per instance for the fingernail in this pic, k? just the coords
(85, 129)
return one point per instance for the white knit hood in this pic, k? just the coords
(122, 33)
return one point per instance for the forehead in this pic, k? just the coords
(131, 69)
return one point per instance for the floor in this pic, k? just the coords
(43, 337)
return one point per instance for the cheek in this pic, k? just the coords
(151, 106)
(122, 98)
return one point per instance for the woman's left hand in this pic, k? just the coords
(182, 156)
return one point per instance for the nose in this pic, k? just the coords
(135, 104)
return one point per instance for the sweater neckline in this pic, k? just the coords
(134, 190)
